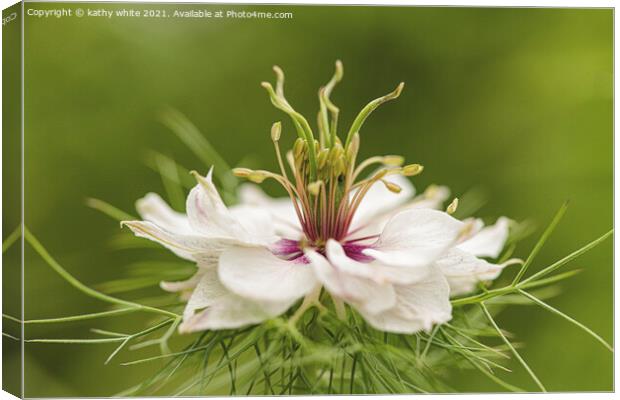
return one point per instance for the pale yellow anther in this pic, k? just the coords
(276, 131)
(393, 161)
(412, 169)
(335, 153)
(322, 158)
(431, 191)
(242, 172)
(391, 186)
(258, 176)
(341, 166)
(315, 187)
(298, 148)
(453, 206)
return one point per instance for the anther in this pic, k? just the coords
(276, 131)
(412, 169)
(242, 172)
(391, 186)
(393, 161)
(453, 206)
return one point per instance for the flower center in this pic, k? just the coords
(293, 250)
(323, 179)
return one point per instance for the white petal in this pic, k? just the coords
(190, 247)
(281, 209)
(255, 273)
(364, 294)
(208, 214)
(377, 271)
(433, 197)
(489, 241)
(464, 270)
(256, 222)
(180, 286)
(415, 238)
(417, 308)
(379, 200)
(223, 309)
(154, 209)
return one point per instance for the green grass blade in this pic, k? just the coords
(185, 130)
(541, 242)
(109, 210)
(566, 317)
(567, 259)
(169, 174)
(512, 349)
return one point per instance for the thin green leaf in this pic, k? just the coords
(566, 317)
(512, 349)
(109, 210)
(541, 242)
(12, 238)
(38, 247)
(196, 142)
(169, 174)
(568, 258)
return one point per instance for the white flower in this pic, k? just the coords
(245, 276)
(211, 234)
(367, 241)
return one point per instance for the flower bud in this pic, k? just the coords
(276, 130)
(412, 169)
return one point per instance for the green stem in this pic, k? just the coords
(543, 238)
(38, 247)
(512, 349)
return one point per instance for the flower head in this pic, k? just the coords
(351, 227)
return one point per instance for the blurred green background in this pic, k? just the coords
(515, 102)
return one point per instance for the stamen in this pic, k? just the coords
(391, 186)
(412, 169)
(452, 207)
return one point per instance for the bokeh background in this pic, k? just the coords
(516, 103)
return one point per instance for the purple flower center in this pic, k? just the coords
(292, 250)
